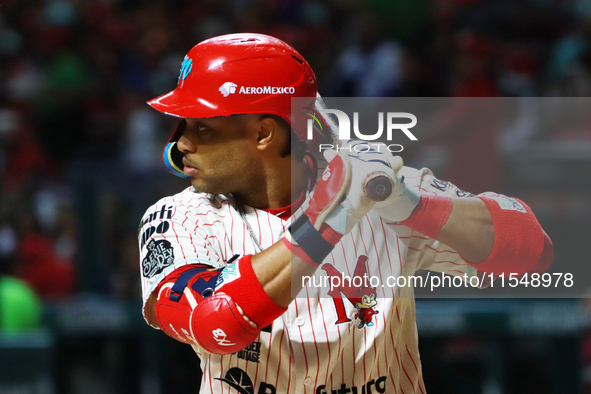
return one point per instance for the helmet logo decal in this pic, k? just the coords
(186, 68)
(228, 88)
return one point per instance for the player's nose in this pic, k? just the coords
(185, 145)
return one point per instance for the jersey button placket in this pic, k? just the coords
(300, 321)
(307, 381)
(295, 334)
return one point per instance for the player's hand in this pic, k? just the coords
(357, 202)
(403, 200)
(337, 204)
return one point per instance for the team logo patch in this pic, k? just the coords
(228, 88)
(160, 255)
(361, 296)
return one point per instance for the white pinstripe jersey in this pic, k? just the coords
(319, 345)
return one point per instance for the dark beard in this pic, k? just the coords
(211, 189)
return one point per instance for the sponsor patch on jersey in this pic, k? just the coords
(250, 353)
(508, 203)
(159, 256)
(228, 274)
(238, 380)
(154, 223)
(164, 213)
(242, 383)
(373, 386)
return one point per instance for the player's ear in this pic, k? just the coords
(268, 132)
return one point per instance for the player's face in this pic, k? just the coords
(220, 153)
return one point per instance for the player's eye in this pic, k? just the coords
(201, 130)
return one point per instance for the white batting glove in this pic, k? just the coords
(403, 200)
(355, 204)
(340, 201)
(333, 208)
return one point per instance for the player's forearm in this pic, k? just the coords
(492, 232)
(275, 267)
(469, 229)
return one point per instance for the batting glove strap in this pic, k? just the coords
(310, 241)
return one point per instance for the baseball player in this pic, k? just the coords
(217, 259)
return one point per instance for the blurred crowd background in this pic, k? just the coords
(80, 163)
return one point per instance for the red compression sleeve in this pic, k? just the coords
(520, 245)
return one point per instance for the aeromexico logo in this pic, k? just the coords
(229, 88)
(342, 126)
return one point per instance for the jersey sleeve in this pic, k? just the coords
(172, 235)
(427, 253)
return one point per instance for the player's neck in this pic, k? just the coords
(282, 184)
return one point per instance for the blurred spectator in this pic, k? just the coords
(25, 159)
(49, 273)
(371, 67)
(474, 57)
(518, 70)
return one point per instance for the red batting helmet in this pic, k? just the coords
(235, 74)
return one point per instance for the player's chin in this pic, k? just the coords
(202, 186)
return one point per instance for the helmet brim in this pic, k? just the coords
(174, 103)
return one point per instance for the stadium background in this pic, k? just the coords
(80, 162)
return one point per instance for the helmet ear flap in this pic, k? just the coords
(171, 156)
